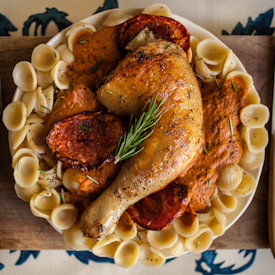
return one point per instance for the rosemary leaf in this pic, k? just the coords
(127, 145)
(217, 82)
(90, 178)
(199, 76)
(109, 92)
(138, 236)
(46, 108)
(231, 126)
(209, 183)
(97, 65)
(168, 47)
(85, 128)
(233, 87)
(150, 221)
(205, 149)
(136, 186)
(41, 170)
(71, 85)
(62, 195)
(214, 130)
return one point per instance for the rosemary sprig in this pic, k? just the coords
(46, 108)
(216, 82)
(205, 149)
(127, 145)
(71, 85)
(138, 236)
(85, 128)
(233, 86)
(168, 47)
(150, 221)
(62, 195)
(90, 178)
(199, 76)
(209, 183)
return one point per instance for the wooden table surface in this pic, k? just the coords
(19, 229)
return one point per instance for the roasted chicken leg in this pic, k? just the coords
(158, 69)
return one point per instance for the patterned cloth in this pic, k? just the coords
(238, 17)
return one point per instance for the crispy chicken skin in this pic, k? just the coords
(158, 69)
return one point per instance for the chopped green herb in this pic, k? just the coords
(199, 76)
(138, 236)
(97, 65)
(112, 36)
(82, 42)
(209, 183)
(90, 178)
(197, 244)
(41, 170)
(190, 95)
(205, 149)
(46, 108)
(109, 92)
(54, 54)
(231, 126)
(62, 195)
(85, 128)
(54, 86)
(136, 186)
(71, 85)
(256, 118)
(168, 47)
(199, 59)
(232, 84)
(217, 82)
(18, 164)
(151, 221)
(214, 130)
(42, 113)
(127, 145)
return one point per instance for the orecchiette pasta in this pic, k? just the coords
(205, 216)
(246, 186)
(229, 63)
(256, 139)
(252, 97)
(49, 97)
(65, 54)
(35, 137)
(126, 254)
(63, 216)
(116, 18)
(251, 160)
(18, 137)
(225, 203)
(44, 57)
(73, 237)
(150, 256)
(29, 101)
(22, 153)
(26, 194)
(59, 75)
(245, 76)
(24, 76)
(178, 248)
(186, 230)
(126, 233)
(162, 239)
(158, 9)
(44, 79)
(217, 225)
(200, 241)
(107, 247)
(254, 115)
(14, 116)
(26, 172)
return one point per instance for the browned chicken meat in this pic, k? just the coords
(158, 69)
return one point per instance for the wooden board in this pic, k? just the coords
(19, 229)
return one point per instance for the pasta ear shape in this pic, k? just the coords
(43, 203)
(193, 45)
(126, 234)
(59, 75)
(29, 100)
(22, 153)
(250, 160)
(71, 177)
(44, 79)
(24, 76)
(162, 239)
(184, 229)
(41, 104)
(116, 18)
(254, 115)
(80, 26)
(107, 247)
(211, 51)
(63, 216)
(252, 97)
(206, 71)
(217, 225)
(44, 57)
(65, 54)
(230, 177)
(126, 254)
(229, 63)
(18, 137)
(150, 256)
(178, 248)
(49, 97)
(35, 137)
(73, 237)
(246, 186)
(26, 172)
(200, 241)
(34, 118)
(158, 9)
(256, 139)
(14, 116)
(25, 194)
(226, 203)
(247, 78)
(205, 216)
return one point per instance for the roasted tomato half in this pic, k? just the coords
(159, 210)
(162, 27)
(86, 140)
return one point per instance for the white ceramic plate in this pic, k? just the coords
(195, 30)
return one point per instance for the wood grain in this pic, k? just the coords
(19, 229)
